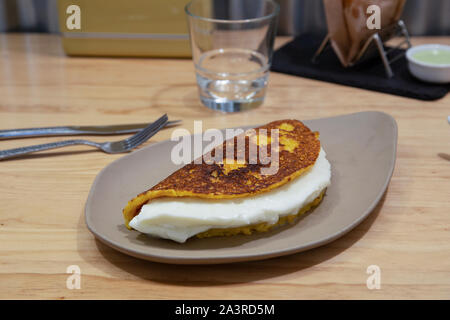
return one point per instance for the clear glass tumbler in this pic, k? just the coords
(232, 45)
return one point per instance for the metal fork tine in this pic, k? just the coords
(142, 139)
(144, 134)
(146, 129)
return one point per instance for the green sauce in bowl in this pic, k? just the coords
(430, 62)
(433, 56)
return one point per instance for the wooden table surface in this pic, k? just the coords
(42, 228)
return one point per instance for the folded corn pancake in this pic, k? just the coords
(233, 196)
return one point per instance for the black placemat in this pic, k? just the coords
(295, 58)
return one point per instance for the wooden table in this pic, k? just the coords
(42, 229)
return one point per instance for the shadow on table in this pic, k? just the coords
(47, 154)
(231, 273)
(444, 156)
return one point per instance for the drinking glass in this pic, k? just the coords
(232, 45)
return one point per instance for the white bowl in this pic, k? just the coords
(436, 73)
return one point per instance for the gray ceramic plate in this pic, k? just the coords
(361, 148)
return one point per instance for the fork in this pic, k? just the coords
(108, 147)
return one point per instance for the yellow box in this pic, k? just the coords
(145, 28)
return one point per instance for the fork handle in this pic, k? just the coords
(11, 153)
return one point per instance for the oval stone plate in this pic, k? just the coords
(361, 148)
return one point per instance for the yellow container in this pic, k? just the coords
(145, 28)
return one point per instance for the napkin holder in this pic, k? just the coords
(376, 44)
(136, 28)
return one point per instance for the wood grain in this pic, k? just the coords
(42, 229)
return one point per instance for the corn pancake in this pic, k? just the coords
(179, 219)
(298, 151)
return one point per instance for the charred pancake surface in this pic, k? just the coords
(240, 176)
